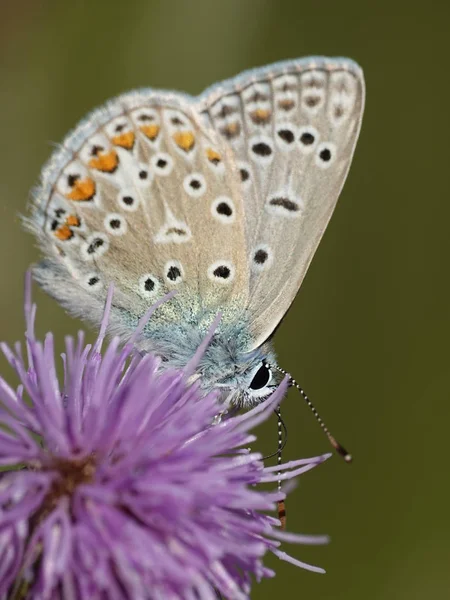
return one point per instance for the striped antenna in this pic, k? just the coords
(282, 440)
(336, 445)
(281, 445)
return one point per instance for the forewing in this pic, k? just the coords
(141, 195)
(292, 128)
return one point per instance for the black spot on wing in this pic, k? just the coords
(286, 203)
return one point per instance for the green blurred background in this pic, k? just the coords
(368, 334)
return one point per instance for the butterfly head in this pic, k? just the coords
(251, 386)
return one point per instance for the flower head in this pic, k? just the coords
(119, 486)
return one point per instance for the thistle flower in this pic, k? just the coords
(118, 486)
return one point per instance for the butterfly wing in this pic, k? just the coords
(224, 198)
(293, 128)
(141, 195)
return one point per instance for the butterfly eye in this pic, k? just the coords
(261, 378)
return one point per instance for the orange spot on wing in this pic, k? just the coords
(64, 233)
(82, 190)
(107, 162)
(213, 156)
(150, 131)
(231, 130)
(73, 221)
(260, 115)
(184, 140)
(124, 140)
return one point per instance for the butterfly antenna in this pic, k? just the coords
(282, 440)
(282, 437)
(336, 445)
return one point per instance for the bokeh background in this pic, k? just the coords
(368, 334)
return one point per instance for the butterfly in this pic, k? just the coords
(222, 197)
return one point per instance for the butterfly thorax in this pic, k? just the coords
(227, 364)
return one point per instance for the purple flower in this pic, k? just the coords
(119, 487)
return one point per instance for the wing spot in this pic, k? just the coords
(143, 174)
(115, 224)
(177, 235)
(338, 111)
(64, 233)
(96, 149)
(325, 154)
(222, 209)
(95, 246)
(173, 272)
(72, 179)
(127, 201)
(226, 110)
(124, 140)
(150, 131)
(184, 140)
(162, 163)
(312, 101)
(221, 272)
(83, 190)
(314, 80)
(245, 175)
(73, 221)
(257, 96)
(262, 149)
(307, 138)
(213, 156)
(92, 281)
(286, 104)
(194, 185)
(285, 203)
(260, 116)
(286, 135)
(106, 162)
(260, 256)
(231, 131)
(148, 285)
(287, 87)
(145, 117)
(173, 230)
